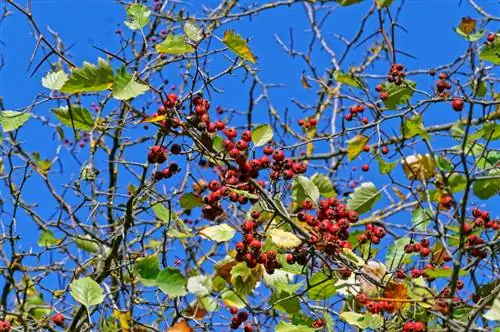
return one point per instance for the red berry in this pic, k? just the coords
(300, 122)
(366, 148)
(58, 319)
(242, 316)
(175, 149)
(290, 259)
(379, 88)
(365, 168)
(491, 37)
(248, 328)
(384, 95)
(348, 117)
(313, 121)
(458, 104)
(365, 120)
(246, 135)
(385, 150)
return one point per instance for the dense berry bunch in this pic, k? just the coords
(414, 327)
(239, 318)
(443, 86)
(157, 154)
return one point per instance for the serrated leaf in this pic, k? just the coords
(147, 268)
(172, 282)
(321, 286)
(437, 273)
(218, 233)
(47, 239)
(491, 52)
(12, 120)
(413, 127)
(231, 299)
(78, 117)
(363, 321)
(303, 188)
(396, 254)
(485, 189)
(262, 134)
(44, 164)
(398, 94)
(193, 31)
(174, 45)
(87, 292)
(284, 239)
(363, 198)
(138, 16)
(420, 219)
(324, 185)
(200, 285)
(190, 200)
(288, 327)
(244, 279)
(89, 78)
(470, 37)
(348, 79)
(285, 302)
(384, 166)
(457, 182)
(54, 80)
(238, 45)
(355, 145)
(494, 312)
(125, 86)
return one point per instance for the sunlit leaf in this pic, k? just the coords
(238, 45)
(324, 185)
(304, 188)
(77, 117)
(172, 282)
(413, 127)
(491, 52)
(218, 233)
(363, 321)
(12, 120)
(283, 239)
(348, 79)
(364, 198)
(288, 327)
(47, 239)
(147, 268)
(398, 94)
(54, 80)
(487, 188)
(174, 45)
(200, 285)
(384, 166)
(126, 86)
(262, 134)
(138, 16)
(190, 201)
(87, 292)
(89, 78)
(321, 286)
(355, 145)
(193, 31)
(419, 166)
(396, 254)
(244, 279)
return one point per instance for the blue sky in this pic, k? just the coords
(83, 24)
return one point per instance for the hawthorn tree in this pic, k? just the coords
(162, 208)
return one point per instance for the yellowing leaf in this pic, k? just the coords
(355, 145)
(284, 239)
(218, 233)
(419, 166)
(238, 45)
(467, 25)
(174, 45)
(180, 326)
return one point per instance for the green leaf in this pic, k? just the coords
(324, 185)
(362, 321)
(321, 286)
(209, 303)
(190, 200)
(193, 31)
(164, 214)
(303, 188)
(420, 219)
(494, 312)
(36, 307)
(78, 117)
(218, 233)
(172, 232)
(440, 273)
(218, 143)
(485, 189)
(87, 292)
(172, 282)
(147, 268)
(85, 243)
(355, 145)
(47, 239)
(490, 132)
(291, 305)
(444, 164)
(364, 197)
(383, 3)
(413, 127)
(138, 16)
(231, 299)
(200, 285)
(262, 134)
(348, 79)
(481, 89)
(288, 327)
(396, 254)
(470, 37)
(384, 166)
(283, 239)
(244, 279)
(89, 78)
(238, 45)
(491, 52)
(12, 120)
(489, 160)
(174, 45)
(457, 182)
(125, 86)
(54, 80)
(398, 94)
(44, 164)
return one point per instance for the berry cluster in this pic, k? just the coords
(396, 74)
(354, 111)
(482, 219)
(331, 223)
(442, 85)
(375, 307)
(371, 233)
(422, 248)
(250, 249)
(414, 327)
(309, 123)
(157, 154)
(167, 172)
(239, 318)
